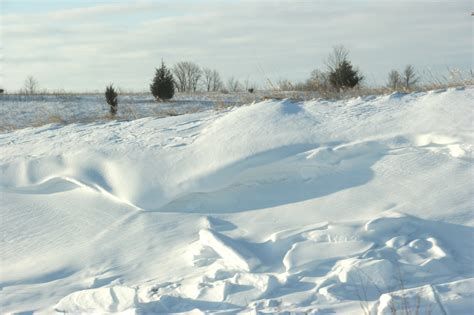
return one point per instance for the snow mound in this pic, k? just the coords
(279, 206)
(100, 301)
(305, 253)
(233, 253)
(449, 298)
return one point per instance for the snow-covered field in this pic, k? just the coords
(346, 207)
(20, 111)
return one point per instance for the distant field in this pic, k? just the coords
(21, 111)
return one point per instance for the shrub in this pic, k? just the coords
(111, 97)
(285, 85)
(162, 86)
(319, 81)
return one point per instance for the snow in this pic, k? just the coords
(111, 300)
(439, 299)
(20, 111)
(229, 250)
(276, 206)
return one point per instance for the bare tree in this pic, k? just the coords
(394, 80)
(409, 77)
(216, 81)
(233, 85)
(337, 57)
(187, 76)
(212, 80)
(180, 75)
(194, 75)
(30, 85)
(207, 77)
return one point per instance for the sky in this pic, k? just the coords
(83, 45)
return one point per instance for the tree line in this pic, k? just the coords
(339, 74)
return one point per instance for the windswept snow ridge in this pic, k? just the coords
(313, 207)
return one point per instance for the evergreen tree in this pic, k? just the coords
(344, 76)
(163, 83)
(111, 97)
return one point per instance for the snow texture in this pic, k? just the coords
(280, 206)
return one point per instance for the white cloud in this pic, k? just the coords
(85, 48)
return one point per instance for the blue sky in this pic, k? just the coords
(84, 45)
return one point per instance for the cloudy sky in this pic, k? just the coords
(81, 45)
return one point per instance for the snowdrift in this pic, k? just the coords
(311, 207)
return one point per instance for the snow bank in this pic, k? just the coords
(233, 253)
(278, 206)
(103, 300)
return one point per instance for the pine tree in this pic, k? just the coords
(344, 76)
(163, 83)
(111, 98)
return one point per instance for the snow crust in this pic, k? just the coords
(280, 206)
